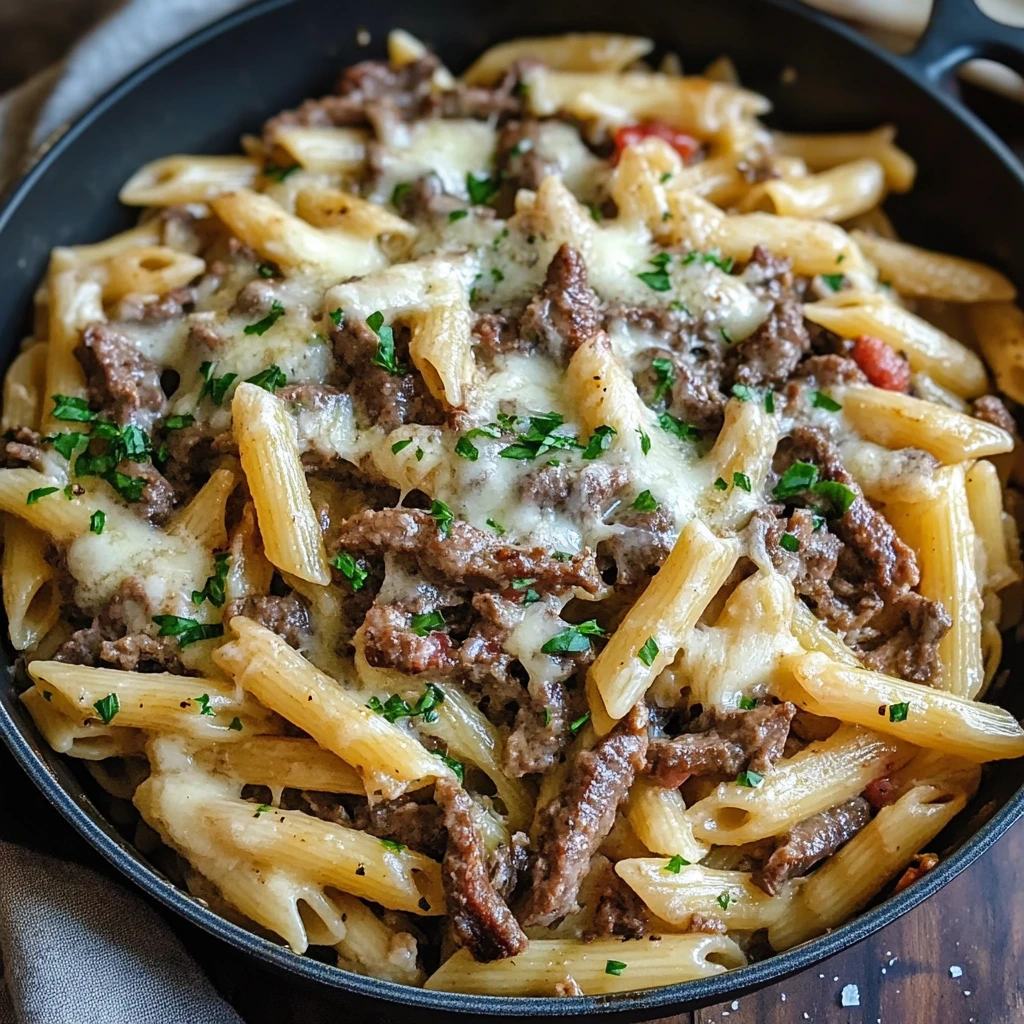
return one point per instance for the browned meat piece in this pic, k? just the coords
(419, 826)
(574, 823)
(82, 647)
(468, 557)
(541, 729)
(390, 642)
(696, 395)
(24, 449)
(427, 198)
(855, 572)
(157, 500)
(812, 840)
(174, 304)
(123, 382)
(140, 652)
(480, 918)
(313, 397)
(520, 161)
(830, 371)
(382, 398)
(709, 924)
(587, 494)
(771, 353)
(507, 863)
(723, 742)
(991, 409)
(287, 616)
(496, 334)
(640, 544)
(565, 313)
(619, 910)
(256, 298)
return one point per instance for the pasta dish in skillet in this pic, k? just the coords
(538, 532)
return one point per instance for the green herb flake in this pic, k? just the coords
(456, 766)
(615, 967)
(561, 556)
(841, 257)
(675, 864)
(574, 727)
(262, 326)
(496, 527)
(599, 441)
(789, 542)
(267, 270)
(481, 190)
(350, 569)
(443, 516)
(275, 173)
(834, 281)
(822, 401)
(523, 583)
(188, 631)
(742, 481)
(665, 374)
(262, 809)
(667, 176)
(97, 521)
(215, 387)
(644, 502)
(67, 444)
(337, 317)
(399, 192)
(40, 492)
(658, 279)
(72, 410)
(392, 845)
(648, 652)
(395, 707)
(723, 899)
(817, 522)
(645, 441)
(595, 213)
(898, 712)
(235, 724)
(400, 445)
(841, 496)
(107, 707)
(496, 275)
(467, 449)
(457, 215)
(672, 425)
(573, 639)
(746, 704)
(213, 590)
(269, 379)
(750, 779)
(384, 357)
(721, 485)
(179, 422)
(204, 705)
(725, 336)
(769, 401)
(799, 477)
(427, 623)
(743, 392)
(547, 717)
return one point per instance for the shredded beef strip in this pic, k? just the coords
(123, 383)
(722, 742)
(565, 313)
(619, 910)
(157, 500)
(468, 557)
(830, 371)
(992, 410)
(23, 448)
(575, 822)
(812, 840)
(519, 160)
(287, 616)
(390, 642)
(857, 575)
(480, 918)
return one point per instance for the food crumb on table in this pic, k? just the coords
(850, 996)
(956, 971)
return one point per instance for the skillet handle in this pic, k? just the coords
(958, 31)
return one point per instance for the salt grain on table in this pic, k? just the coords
(850, 996)
(956, 972)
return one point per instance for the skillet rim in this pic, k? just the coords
(96, 829)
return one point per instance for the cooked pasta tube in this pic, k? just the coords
(187, 179)
(823, 150)
(837, 194)
(999, 327)
(658, 817)
(372, 947)
(31, 594)
(23, 389)
(89, 741)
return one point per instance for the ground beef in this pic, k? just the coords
(812, 840)
(572, 825)
(496, 334)
(190, 451)
(138, 652)
(722, 742)
(174, 304)
(255, 298)
(480, 918)
(586, 494)
(24, 448)
(707, 924)
(157, 500)
(389, 641)
(123, 382)
(619, 910)
(639, 546)
(770, 355)
(426, 198)
(992, 410)
(855, 573)
(288, 616)
(541, 729)
(830, 371)
(520, 160)
(381, 398)
(565, 313)
(407, 821)
(467, 557)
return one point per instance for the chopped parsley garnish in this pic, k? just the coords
(801, 476)
(262, 809)
(817, 522)
(665, 372)
(204, 705)
(750, 779)
(523, 583)
(615, 967)
(644, 502)
(97, 521)
(428, 622)
(350, 569)
(66, 444)
(531, 597)
(393, 845)
(841, 257)
(675, 864)
(443, 516)
(789, 542)
(547, 717)
(725, 335)
(419, 454)
(129, 487)
(743, 392)
(723, 900)
(561, 556)
(898, 712)
(714, 258)
(269, 379)
(574, 639)
(457, 215)
(235, 724)
(213, 590)
(467, 449)
(264, 325)
(542, 436)
(337, 316)
(599, 441)
(267, 270)
(496, 275)
(496, 527)
(276, 173)
(841, 496)
(72, 410)
(395, 707)
(179, 422)
(658, 279)
(648, 652)
(215, 387)
(384, 357)
(399, 192)
(834, 281)
(188, 631)
(667, 176)
(645, 441)
(769, 401)
(40, 492)
(721, 485)
(672, 425)
(456, 766)
(107, 707)
(595, 213)
(574, 727)
(481, 190)
(746, 704)
(822, 401)
(399, 445)
(742, 481)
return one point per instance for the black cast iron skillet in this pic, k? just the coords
(200, 95)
